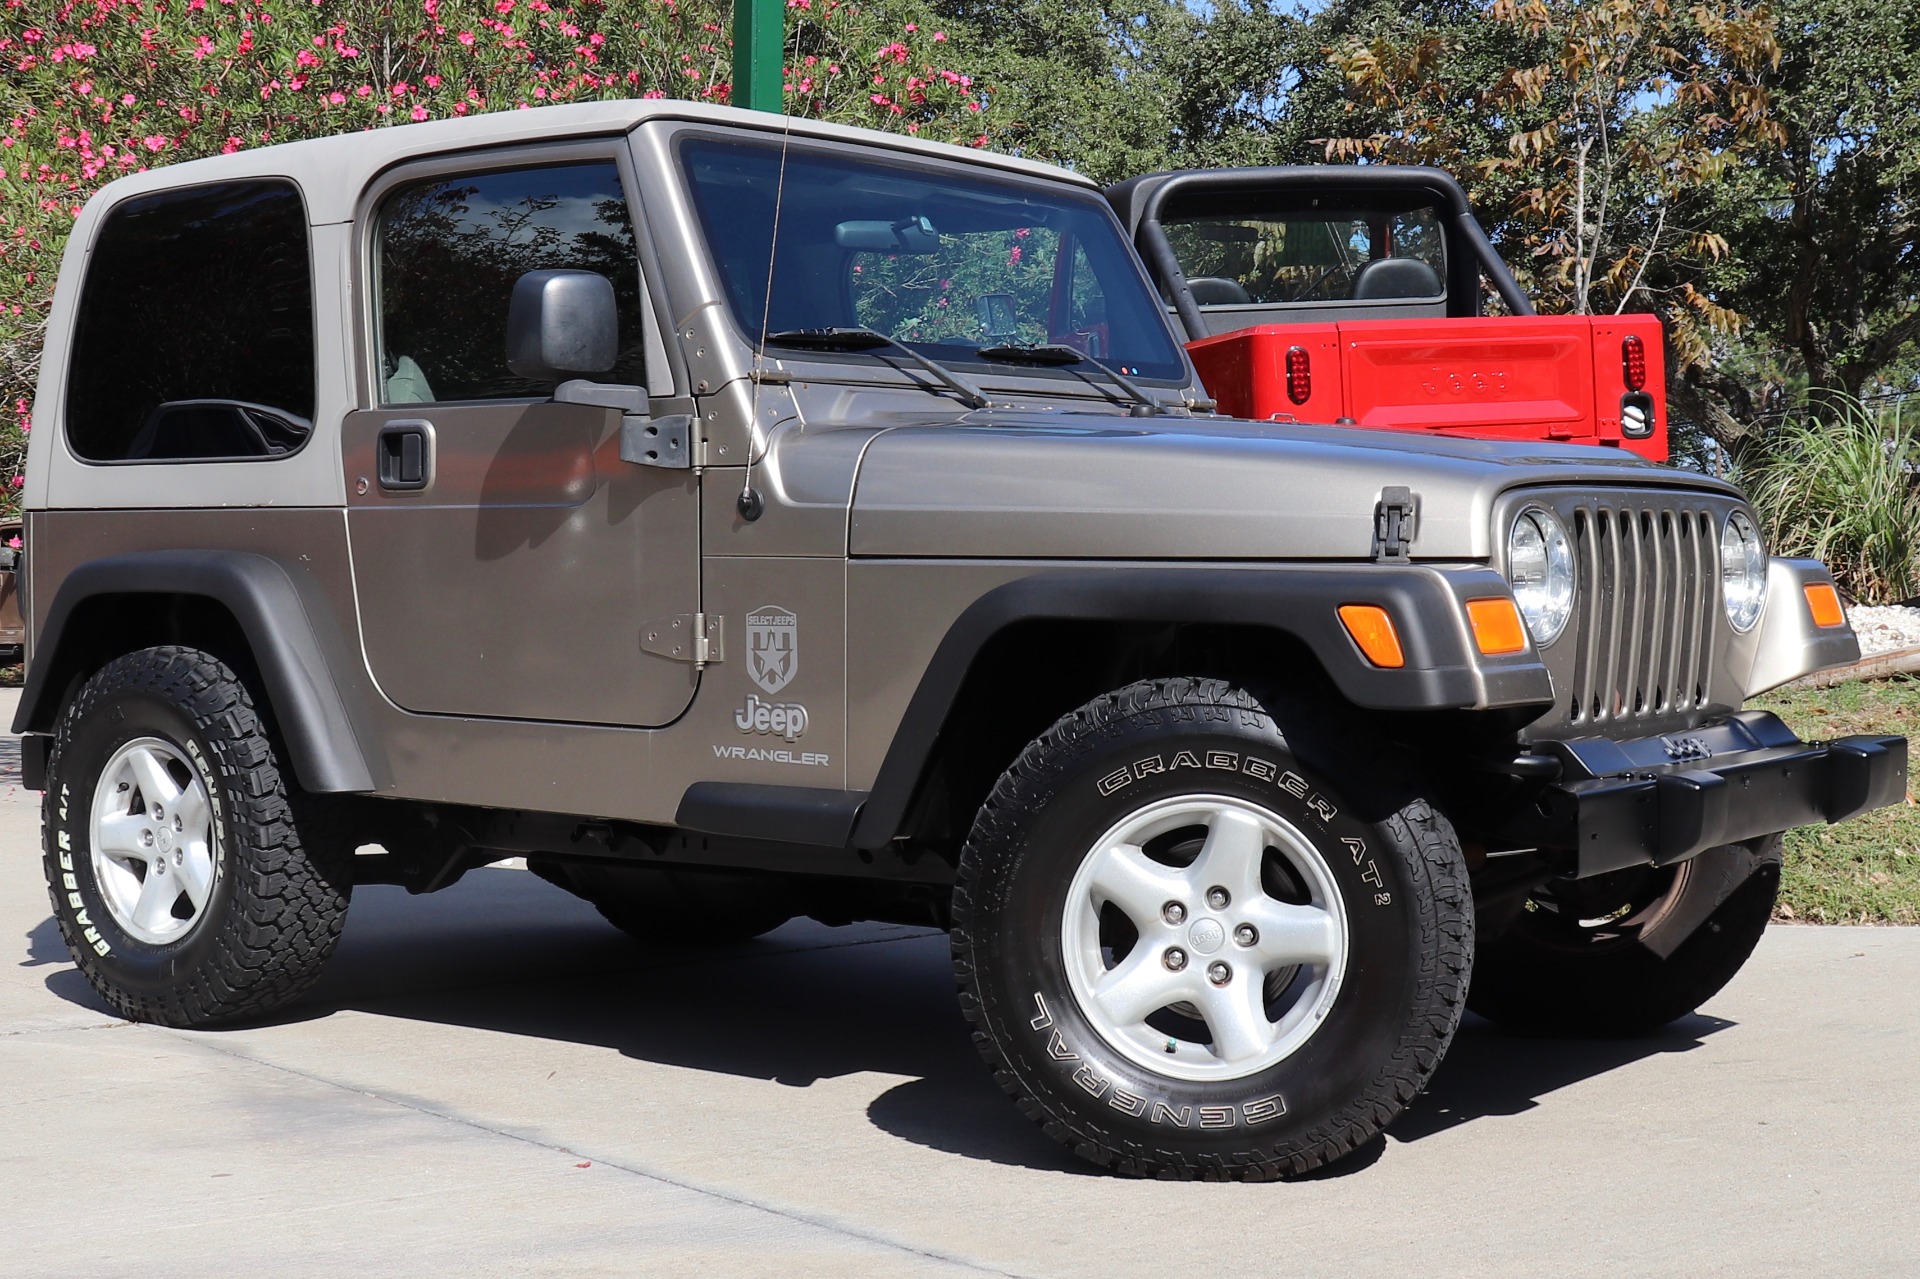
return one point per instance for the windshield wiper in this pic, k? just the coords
(1059, 355)
(849, 339)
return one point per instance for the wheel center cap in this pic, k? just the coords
(1206, 935)
(164, 837)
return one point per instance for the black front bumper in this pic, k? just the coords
(1617, 804)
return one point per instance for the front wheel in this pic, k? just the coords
(1186, 953)
(1629, 952)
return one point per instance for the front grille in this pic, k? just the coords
(1644, 610)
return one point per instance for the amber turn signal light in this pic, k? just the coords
(1497, 628)
(1824, 603)
(1373, 631)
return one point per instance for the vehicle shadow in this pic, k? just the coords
(506, 952)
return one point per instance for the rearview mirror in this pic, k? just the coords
(908, 235)
(562, 324)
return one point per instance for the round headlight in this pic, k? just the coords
(1540, 569)
(1743, 571)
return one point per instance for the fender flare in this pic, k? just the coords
(293, 639)
(1443, 671)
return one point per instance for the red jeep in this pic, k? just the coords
(1352, 295)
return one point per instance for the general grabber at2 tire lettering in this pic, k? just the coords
(1187, 952)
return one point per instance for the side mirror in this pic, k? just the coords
(562, 324)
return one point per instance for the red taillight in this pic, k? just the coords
(1299, 375)
(1633, 362)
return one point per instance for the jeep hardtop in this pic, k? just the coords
(745, 518)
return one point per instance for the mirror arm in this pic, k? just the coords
(664, 441)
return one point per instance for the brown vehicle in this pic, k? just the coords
(13, 629)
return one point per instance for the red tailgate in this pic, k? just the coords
(1489, 378)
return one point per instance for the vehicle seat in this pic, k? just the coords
(1395, 278)
(185, 429)
(1212, 290)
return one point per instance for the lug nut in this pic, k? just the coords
(178, 826)
(179, 857)
(1175, 959)
(146, 839)
(1218, 973)
(1217, 897)
(1173, 912)
(159, 813)
(1246, 935)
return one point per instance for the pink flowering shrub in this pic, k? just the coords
(94, 89)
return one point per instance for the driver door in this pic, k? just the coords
(507, 563)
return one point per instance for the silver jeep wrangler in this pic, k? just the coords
(744, 518)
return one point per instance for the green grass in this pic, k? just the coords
(1866, 871)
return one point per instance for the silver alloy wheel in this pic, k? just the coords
(1214, 946)
(152, 841)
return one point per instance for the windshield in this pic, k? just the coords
(942, 260)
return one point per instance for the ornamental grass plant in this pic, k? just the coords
(1840, 483)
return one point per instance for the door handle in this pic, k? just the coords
(404, 455)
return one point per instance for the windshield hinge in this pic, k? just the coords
(1393, 526)
(699, 638)
(665, 441)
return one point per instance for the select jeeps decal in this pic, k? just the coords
(773, 647)
(1096, 1085)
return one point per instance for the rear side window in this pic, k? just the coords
(194, 338)
(450, 250)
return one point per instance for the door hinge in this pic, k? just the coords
(686, 637)
(665, 441)
(1393, 526)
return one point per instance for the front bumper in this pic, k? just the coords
(1660, 800)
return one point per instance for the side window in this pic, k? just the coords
(449, 250)
(194, 337)
(1311, 257)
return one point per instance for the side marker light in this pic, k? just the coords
(1372, 629)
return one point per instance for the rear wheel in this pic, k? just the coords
(178, 876)
(1185, 953)
(1627, 953)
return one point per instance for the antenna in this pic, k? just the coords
(750, 504)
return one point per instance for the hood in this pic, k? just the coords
(1003, 484)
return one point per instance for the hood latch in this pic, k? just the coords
(1393, 526)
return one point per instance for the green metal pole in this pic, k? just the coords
(759, 47)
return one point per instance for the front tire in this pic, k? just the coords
(177, 874)
(1187, 953)
(1628, 953)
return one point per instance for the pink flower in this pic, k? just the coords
(939, 37)
(14, 542)
(1013, 256)
(419, 113)
(364, 91)
(155, 143)
(465, 37)
(18, 480)
(233, 144)
(336, 98)
(433, 82)
(203, 45)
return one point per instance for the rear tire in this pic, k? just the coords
(177, 874)
(1185, 952)
(1632, 951)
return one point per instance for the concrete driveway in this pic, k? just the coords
(492, 1081)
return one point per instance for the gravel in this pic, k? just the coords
(1885, 628)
